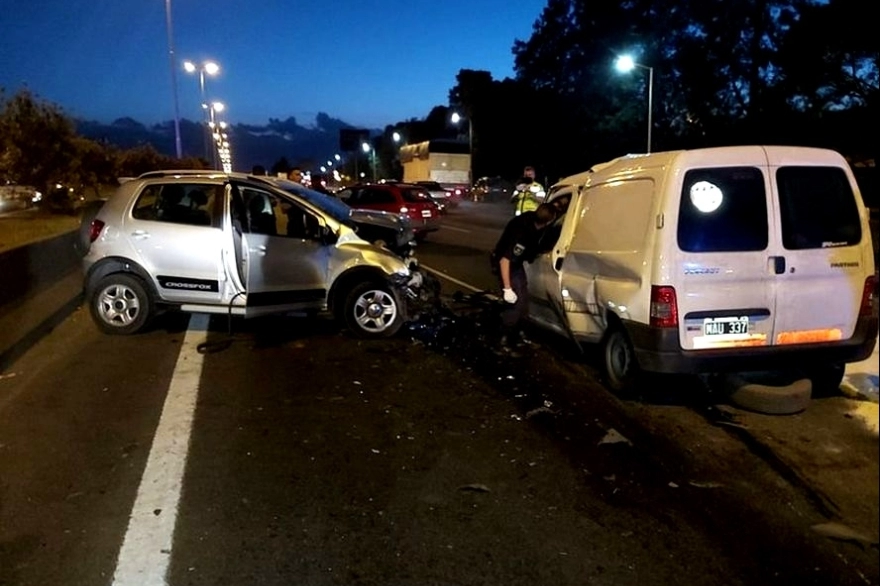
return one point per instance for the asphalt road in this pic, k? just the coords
(282, 451)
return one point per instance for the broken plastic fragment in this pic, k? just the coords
(614, 437)
(475, 487)
(842, 532)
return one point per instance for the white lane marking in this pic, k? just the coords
(146, 550)
(454, 228)
(443, 275)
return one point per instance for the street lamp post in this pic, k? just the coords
(369, 150)
(177, 144)
(213, 125)
(209, 68)
(624, 64)
(456, 118)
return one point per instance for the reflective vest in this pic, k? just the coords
(528, 198)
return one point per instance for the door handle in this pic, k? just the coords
(778, 263)
(261, 250)
(140, 234)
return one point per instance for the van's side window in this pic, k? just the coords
(722, 210)
(817, 208)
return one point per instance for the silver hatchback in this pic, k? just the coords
(228, 243)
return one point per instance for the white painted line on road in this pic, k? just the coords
(443, 275)
(454, 228)
(146, 550)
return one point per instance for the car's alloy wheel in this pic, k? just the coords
(371, 310)
(120, 304)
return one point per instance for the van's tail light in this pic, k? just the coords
(95, 230)
(865, 310)
(664, 307)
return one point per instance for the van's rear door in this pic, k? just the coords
(821, 272)
(723, 277)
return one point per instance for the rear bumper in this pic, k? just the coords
(658, 350)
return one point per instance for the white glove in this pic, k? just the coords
(509, 296)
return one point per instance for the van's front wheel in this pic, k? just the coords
(621, 368)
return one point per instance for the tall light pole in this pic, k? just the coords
(177, 143)
(209, 68)
(369, 150)
(213, 109)
(397, 166)
(456, 118)
(625, 64)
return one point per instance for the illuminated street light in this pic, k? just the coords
(626, 64)
(396, 136)
(368, 149)
(456, 118)
(209, 68)
(213, 109)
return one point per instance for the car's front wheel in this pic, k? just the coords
(372, 311)
(121, 304)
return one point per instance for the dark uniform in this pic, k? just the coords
(519, 244)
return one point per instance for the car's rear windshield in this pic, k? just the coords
(415, 195)
(817, 208)
(723, 209)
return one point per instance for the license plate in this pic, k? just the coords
(426, 213)
(726, 326)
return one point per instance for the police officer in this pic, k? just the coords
(518, 244)
(528, 194)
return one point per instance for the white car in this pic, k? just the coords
(234, 244)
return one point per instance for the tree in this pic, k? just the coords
(36, 141)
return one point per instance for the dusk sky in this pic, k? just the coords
(367, 63)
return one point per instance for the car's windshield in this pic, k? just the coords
(337, 209)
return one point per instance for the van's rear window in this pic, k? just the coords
(817, 207)
(723, 209)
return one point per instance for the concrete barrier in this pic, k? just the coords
(40, 285)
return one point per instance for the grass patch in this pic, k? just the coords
(22, 230)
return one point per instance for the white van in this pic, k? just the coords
(724, 259)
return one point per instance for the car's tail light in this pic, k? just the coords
(866, 308)
(95, 230)
(664, 307)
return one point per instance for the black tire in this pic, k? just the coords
(120, 304)
(372, 311)
(826, 379)
(620, 366)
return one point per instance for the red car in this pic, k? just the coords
(404, 199)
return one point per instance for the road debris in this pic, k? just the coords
(474, 488)
(842, 532)
(614, 437)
